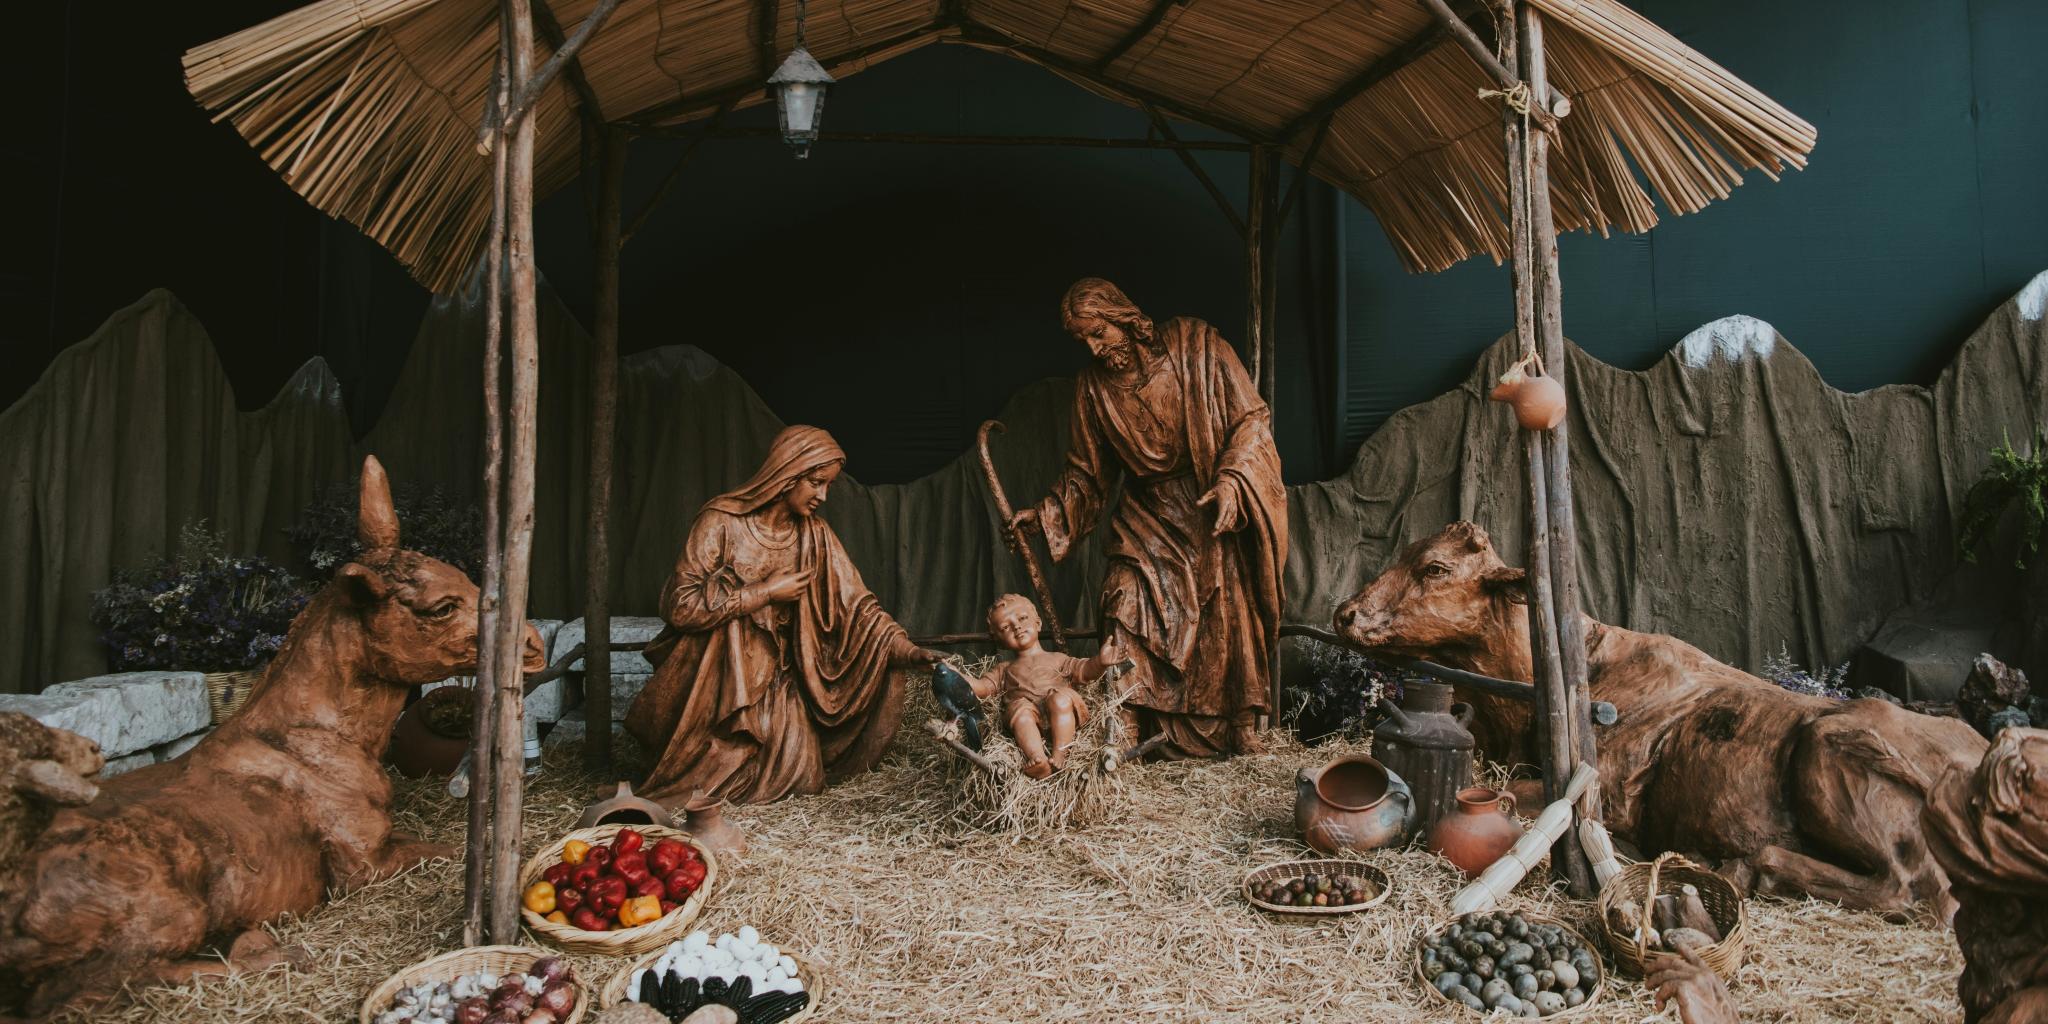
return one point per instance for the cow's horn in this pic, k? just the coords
(376, 519)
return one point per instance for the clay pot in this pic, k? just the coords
(623, 808)
(432, 735)
(1351, 805)
(1538, 400)
(1479, 832)
(705, 819)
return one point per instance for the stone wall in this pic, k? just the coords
(137, 718)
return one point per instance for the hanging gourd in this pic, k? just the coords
(1538, 399)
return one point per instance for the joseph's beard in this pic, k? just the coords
(1120, 358)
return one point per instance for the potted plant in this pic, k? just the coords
(200, 610)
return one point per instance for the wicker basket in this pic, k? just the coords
(1297, 868)
(624, 941)
(614, 991)
(1422, 937)
(495, 959)
(1641, 883)
(226, 692)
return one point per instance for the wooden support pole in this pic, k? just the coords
(1269, 286)
(507, 646)
(1255, 264)
(1555, 724)
(1571, 625)
(476, 877)
(604, 414)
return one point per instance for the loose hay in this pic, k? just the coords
(1136, 917)
(1008, 800)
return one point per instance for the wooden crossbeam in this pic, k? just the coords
(551, 31)
(1209, 184)
(977, 32)
(1138, 33)
(764, 35)
(649, 121)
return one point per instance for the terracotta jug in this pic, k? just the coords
(1479, 832)
(706, 822)
(1538, 400)
(623, 808)
(432, 735)
(1351, 805)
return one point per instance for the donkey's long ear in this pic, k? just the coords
(376, 519)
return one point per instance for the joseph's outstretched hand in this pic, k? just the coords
(1222, 500)
(1687, 981)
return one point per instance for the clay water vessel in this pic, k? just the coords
(1538, 400)
(433, 734)
(705, 820)
(1351, 805)
(624, 808)
(1479, 832)
(1425, 741)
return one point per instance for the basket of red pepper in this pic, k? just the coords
(616, 889)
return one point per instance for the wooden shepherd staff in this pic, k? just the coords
(1018, 540)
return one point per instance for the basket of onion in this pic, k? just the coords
(616, 890)
(483, 985)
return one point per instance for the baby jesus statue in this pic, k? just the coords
(1039, 689)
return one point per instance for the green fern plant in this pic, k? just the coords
(2011, 476)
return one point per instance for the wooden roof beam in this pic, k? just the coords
(764, 35)
(974, 31)
(1137, 34)
(544, 75)
(551, 30)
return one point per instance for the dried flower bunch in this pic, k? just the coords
(202, 610)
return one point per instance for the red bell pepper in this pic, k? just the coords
(649, 886)
(664, 856)
(585, 874)
(632, 867)
(598, 855)
(608, 892)
(625, 842)
(568, 899)
(588, 920)
(679, 885)
(558, 875)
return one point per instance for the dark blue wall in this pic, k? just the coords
(1925, 206)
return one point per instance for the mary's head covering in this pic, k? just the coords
(797, 451)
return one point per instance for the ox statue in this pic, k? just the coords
(1791, 792)
(1989, 828)
(283, 803)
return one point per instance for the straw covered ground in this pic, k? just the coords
(912, 915)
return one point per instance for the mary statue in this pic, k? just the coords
(777, 670)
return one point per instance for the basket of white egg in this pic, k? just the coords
(757, 982)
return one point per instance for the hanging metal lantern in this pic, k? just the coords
(800, 86)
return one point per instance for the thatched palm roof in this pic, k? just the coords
(370, 108)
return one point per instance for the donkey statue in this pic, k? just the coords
(284, 802)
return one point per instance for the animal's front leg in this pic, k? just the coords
(362, 848)
(1803, 874)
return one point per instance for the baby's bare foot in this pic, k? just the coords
(1037, 769)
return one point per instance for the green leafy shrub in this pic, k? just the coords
(2011, 477)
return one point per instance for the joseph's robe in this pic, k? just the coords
(1200, 614)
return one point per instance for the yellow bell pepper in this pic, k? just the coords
(574, 851)
(557, 917)
(540, 898)
(639, 910)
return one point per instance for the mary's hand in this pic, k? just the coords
(785, 587)
(920, 656)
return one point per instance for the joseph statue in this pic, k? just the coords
(1198, 543)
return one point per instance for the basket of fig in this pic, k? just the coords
(1671, 905)
(1501, 962)
(1316, 887)
(616, 890)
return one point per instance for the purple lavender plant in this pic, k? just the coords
(1341, 694)
(201, 611)
(1831, 683)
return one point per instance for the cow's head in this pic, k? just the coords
(1444, 593)
(419, 614)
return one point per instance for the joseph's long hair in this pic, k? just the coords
(1096, 297)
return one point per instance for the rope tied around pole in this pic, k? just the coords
(1517, 98)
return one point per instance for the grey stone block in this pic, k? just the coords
(178, 746)
(1918, 656)
(625, 629)
(126, 712)
(118, 765)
